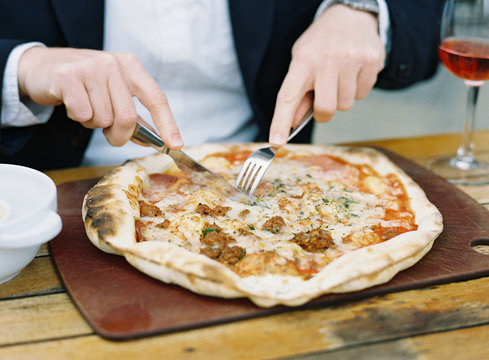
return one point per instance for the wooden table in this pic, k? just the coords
(451, 321)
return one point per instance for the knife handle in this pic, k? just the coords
(146, 136)
(305, 119)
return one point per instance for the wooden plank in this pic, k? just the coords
(39, 318)
(43, 251)
(64, 175)
(425, 147)
(39, 277)
(380, 319)
(480, 193)
(468, 344)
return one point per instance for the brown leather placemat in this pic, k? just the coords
(122, 303)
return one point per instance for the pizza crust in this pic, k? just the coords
(109, 215)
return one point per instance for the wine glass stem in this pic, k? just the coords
(465, 153)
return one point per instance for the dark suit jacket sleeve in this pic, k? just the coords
(414, 34)
(60, 142)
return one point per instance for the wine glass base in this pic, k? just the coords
(459, 171)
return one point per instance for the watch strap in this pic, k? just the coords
(364, 5)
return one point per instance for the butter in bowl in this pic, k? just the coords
(28, 217)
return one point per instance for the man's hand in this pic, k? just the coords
(338, 58)
(97, 89)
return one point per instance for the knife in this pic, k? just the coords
(199, 173)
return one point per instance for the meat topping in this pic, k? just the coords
(216, 245)
(147, 209)
(244, 213)
(163, 225)
(229, 255)
(139, 226)
(274, 224)
(213, 234)
(316, 240)
(203, 209)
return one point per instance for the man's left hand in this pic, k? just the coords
(337, 59)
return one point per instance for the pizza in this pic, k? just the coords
(325, 219)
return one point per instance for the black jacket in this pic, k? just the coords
(264, 31)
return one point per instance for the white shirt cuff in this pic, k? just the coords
(383, 18)
(17, 112)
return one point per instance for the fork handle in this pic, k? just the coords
(304, 121)
(144, 135)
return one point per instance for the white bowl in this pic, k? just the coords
(28, 218)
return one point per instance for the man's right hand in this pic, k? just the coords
(97, 89)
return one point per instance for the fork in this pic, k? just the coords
(259, 160)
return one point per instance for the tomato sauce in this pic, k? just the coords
(234, 156)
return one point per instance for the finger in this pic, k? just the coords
(78, 107)
(367, 75)
(325, 96)
(157, 104)
(295, 85)
(151, 96)
(347, 88)
(98, 93)
(304, 106)
(367, 78)
(125, 115)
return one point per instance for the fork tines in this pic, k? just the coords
(253, 170)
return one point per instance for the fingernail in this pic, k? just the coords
(277, 139)
(177, 141)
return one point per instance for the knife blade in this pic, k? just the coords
(199, 173)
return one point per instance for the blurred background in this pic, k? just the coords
(432, 107)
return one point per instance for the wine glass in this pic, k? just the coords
(464, 50)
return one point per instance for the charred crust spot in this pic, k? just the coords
(93, 212)
(104, 223)
(316, 240)
(99, 194)
(274, 224)
(104, 207)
